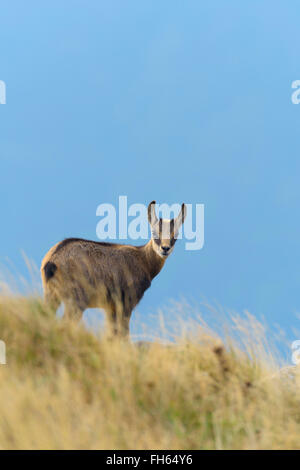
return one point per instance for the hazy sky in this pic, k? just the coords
(174, 101)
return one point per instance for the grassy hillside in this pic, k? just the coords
(64, 388)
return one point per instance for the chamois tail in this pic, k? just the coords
(49, 270)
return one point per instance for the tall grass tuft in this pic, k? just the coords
(64, 387)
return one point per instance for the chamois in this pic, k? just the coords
(88, 274)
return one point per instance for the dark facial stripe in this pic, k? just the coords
(172, 241)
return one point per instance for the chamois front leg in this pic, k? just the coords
(118, 323)
(124, 325)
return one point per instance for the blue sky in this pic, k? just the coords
(174, 101)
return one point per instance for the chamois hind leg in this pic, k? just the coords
(51, 300)
(72, 311)
(76, 304)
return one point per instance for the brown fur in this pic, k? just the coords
(88, 274)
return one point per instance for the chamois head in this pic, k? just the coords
(164, 231)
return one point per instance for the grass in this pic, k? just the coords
(64, 387)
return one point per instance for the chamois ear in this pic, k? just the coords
(152, 219)
(180, 218)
